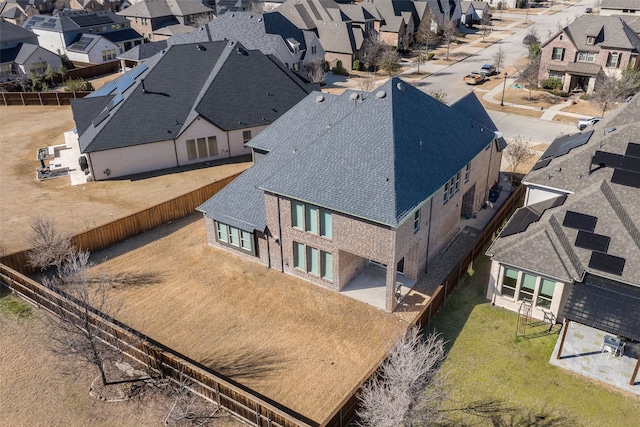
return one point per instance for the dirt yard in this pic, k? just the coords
(295, 342)
(35, 392)
(25, 129)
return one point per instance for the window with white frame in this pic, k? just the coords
(246, 136)
(37, 68)
(556, 75)
(108, 54)
(527, 286)
(311, 219)
(467, 172)
(613, 60)
(313, 261)
(416, 221)
(586, 56)
(229, 235)
(451, 188)
(591, 40)
(558, 54)
(202, 148)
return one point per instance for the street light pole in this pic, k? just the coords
(503, 88)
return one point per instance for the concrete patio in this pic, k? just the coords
(369, 286)
(582, 353)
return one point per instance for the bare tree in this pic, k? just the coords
(449, 32)
(485, 30)
(439, 95)
(49, 246)
(498, 58)
(76, 330)
(390, 62)
(609, 90)
(424, 35)
(530, 74)
(517, 153)
(316, 71)
(405, 391)
(373, 50)
(368, 82)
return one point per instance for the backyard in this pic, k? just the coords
(487, 361)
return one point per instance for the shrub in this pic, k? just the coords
(430, 56)
(357, 65)
(78, 85)
(551, 84)
(339, 69)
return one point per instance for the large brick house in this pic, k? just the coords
(344, 181)
(589, 47)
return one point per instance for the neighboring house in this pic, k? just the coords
(481, 9)
(192, 103)
(573, 250)
(12, 12)
(87, 37)
(619, 7)
(222, 6)
(96, 5)
(469, 15)
(35, 7)
(270, 33)
(341, 28)
(589, 47)
(341, 182)
(445, 10)
(151, 17)
(400, 20)
(20, 55)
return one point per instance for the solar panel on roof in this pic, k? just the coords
(115, 101)
(607, 263)
(626, 178)
(520, 221)
(633, 150)
(579, 221)
(105, 90)
(595, 242)
(541, 164)
(37, 18)
(138, 70)
(602, 158)
(124, 83)
(631, 164)
(562, 145)
(48, 24)
(103, 115)
(89, 20)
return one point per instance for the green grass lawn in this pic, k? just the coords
(487, 361)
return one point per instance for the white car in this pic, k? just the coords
(584, 123)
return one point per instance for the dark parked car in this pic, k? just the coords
(488, 69)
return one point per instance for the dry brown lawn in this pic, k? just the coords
(35, 392)
(22, 197)
(589, 109)
(295, 342)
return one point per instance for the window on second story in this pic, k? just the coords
(311, 218)
(144, 21)
(613, 60)
(313, 50)
(558, 54)
(586, 56)
(416, 221)
(591, 40)
(467, 172)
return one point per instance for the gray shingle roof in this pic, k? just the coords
(609, 31)
(13, 33)
(229, 89)
(542, 247)
(64, 21)
(263, 32)
(143, 51)
(158, 9)
(376, 158)
(620, 4)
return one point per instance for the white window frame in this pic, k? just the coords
(467, 172)
(610, 63)
(416, 221)
(246, 136)
(554, 54)
(537, 299)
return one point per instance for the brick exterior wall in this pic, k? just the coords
(355, 241)
(571, 55)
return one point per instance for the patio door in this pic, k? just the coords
(399, 267)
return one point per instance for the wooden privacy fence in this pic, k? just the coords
(123, 228)
(244, 403)
(346, 410)
(40, 98)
